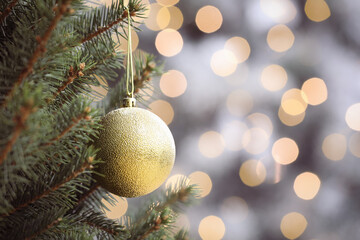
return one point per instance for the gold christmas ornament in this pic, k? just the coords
(138, 151)
(136, 146)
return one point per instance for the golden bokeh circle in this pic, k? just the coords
(315, 90)
(293, 225)
(173, 83)
(285, 151)
(203, 182)
(294, 102)
(116, 210)
(211, 227)
(334, 146)
(223, 63)
(169, 42)
(208, 19)
(280, 38)
(240, 47)
(252, 173)
(163, 109)
(307, 185)
(352, 117)
(317, 10)
(211, 144)
(274, 77)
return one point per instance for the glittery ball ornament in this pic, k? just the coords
(137, 150)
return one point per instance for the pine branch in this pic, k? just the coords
(110, 231)
(99, 31)
(7, 10)
(72, 76)
(75, 121)
(156, 226)
(40, 49)
(20, 120)
(55, 222)
(85, 166)
(88, 193)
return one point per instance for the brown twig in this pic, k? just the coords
(40, 49)
(56, 187)
(75, 121)
(104, 29)
(88, 193)
(20, 120)
(7, 10)
(154, 228)
(56, 221)
(110, 231)
(72, 76)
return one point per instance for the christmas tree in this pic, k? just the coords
(53, 54)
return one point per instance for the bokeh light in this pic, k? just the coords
(290, 120)
(169, 42)
(211, 144)
(163, 18)
(99, 92)
(117, 210)
(235, 209)
(240, 47)
(173, 181)
(354, 144)
(152, 21)
(233, 133)
(167, 3)
(163, 109)
(252, 173)
(211, 228)
(173, 83)
(274, 77)
(208, 19)
(260, 120)
(176, 18)
(352, 117)
(285, 151)
(334, 146)
(203, 182)
(280, 38)
(223, 63)
(317, 10)
(255, 140)
(124, 42)
(294, 102)
(239, 102)
(293, 225)
(307, 185)
(281, 11)
(315, 90)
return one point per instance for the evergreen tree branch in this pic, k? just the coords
(110, 231)
(85, 165)
(75, 121)
(88, 193)
(109, 26)
(7, 10)
(40, 49)
(55, 222)
(72, 76)
(155, 226)
(20, 120)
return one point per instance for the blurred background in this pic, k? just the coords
(263, 100)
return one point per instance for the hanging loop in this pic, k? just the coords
(129, 101)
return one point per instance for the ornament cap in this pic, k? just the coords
(129, 102)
